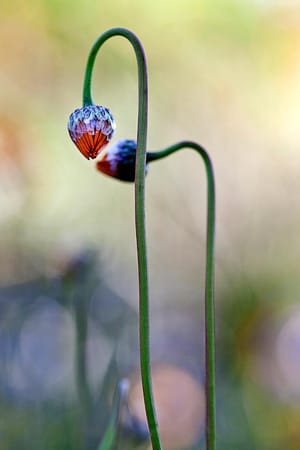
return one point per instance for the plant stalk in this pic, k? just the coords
(210, 382)
(139, 211)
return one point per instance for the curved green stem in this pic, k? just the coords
(209, 285)
(139, 211)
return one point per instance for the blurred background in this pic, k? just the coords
(224, 73)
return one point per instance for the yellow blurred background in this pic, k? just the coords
(225, 73)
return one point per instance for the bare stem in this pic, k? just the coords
(209, 285)
(139, 211)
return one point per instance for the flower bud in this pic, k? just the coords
(91, 128)
(118, 161)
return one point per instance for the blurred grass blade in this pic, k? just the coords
(111, 432)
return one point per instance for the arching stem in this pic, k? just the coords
(209, 285)
(139, 211)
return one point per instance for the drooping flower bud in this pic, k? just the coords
(118, 161)
(91, 128)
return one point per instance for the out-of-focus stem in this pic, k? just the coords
(111, 433)
(81, 329)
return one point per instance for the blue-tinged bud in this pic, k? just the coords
(91, 128)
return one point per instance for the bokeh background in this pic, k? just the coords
(222, 72)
